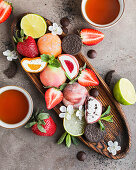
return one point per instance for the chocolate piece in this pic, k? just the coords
(71, 44)
(81, 156)
(11, 71)
(92, 54)
(65, 30)
(65, 22)
(108, 77)
(94, 92)
(93, 133)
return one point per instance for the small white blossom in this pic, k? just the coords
(80, 112)
(55, 29)
(11, 55)
(66, 112)
(113, 147)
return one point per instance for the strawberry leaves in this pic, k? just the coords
(105, 118)
(51, 60)
(38, 118)
(69, 139)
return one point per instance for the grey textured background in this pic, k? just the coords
(20, 149)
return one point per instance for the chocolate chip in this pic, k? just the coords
(92, 54)
(94, 92)
(103, 109)
(65, 30)
(81, 156)
(71, 44)
(11, 71)
(108, 77)
(65, 22)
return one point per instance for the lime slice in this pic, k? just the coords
(33, 25)
(74, 126)
(124, 92)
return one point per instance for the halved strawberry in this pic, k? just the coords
(5, 10)
(88, 78)
(53, 97)
(91, 36)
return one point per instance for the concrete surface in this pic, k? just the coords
(20, 149)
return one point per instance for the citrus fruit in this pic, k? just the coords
(74, 126)
(34, 65)
(33, 25)
(50, 44)
(124, 92)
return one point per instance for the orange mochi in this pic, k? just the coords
(50, 44)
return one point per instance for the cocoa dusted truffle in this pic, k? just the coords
(71, 44)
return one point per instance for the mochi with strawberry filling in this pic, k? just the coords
(93, 110)
(70, 65)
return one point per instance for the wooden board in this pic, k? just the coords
(116, 131)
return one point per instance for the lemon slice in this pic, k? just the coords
(33, 25)
(74, 126)
(124, 92)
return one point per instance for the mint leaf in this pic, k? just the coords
(107, 118)
(68, 140)
(43, 116)
(101, 125)
(62, 138)
(41, 129)
(55, 63)
(75, 140)
(45, 58)
(106, 112)
(28, 125)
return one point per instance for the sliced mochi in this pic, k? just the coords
(70, 65)
(93, 110)
(33, 65)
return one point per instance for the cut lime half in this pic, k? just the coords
(74, 126)
(33, 25)
(124, 92)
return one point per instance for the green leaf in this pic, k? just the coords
(45, 58)
(75, 140)
(62, 138)
(55, 63)
(43, 116)
(101, 125)
(22, 33)
(63, 86)
(15, 40)
(28, 125)
(106, 112)
(43, 122)
(47, 87)
(41, 129)
(106, 118)
(68, 140)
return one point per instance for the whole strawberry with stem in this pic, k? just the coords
(26, 45)
(42, 124)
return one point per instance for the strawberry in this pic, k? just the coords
(5, 10)
(26, 46)
(53, 97)
(88, 78)
(42, 124)
(91, 36)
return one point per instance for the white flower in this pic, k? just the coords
(80, 112)
(113, 147)
(55, 29)
(11, 55)
(66, 112)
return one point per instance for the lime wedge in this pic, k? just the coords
(33, 25)
(74, 126)
(124, 92)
